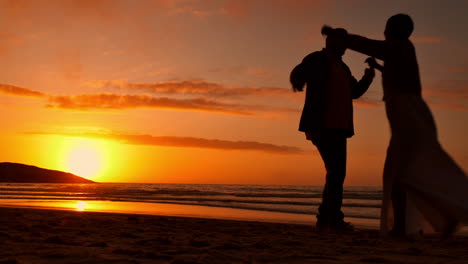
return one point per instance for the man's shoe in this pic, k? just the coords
(397, 234)
(322, 225)
(342, 226)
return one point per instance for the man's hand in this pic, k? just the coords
(369, 72)
(374, 64)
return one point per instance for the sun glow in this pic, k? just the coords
(80, 206)
(85, 158)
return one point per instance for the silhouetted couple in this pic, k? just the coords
(424, 190)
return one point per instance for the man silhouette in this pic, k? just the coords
(327, 118)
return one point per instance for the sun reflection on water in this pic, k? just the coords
(80, 206)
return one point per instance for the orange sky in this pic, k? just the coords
(196, 91)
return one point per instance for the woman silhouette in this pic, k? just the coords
(424, 189)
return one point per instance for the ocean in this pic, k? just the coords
(250, 201)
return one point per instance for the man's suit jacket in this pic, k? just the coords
(314, 71)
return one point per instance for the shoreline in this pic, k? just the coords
(188, 211)
(56, 236)
(180, 210)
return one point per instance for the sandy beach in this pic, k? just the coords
(54, 236)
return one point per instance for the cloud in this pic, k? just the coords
(57, 22)
(238, 9)
(427, 40)
(446, 105)
(258, 72)
(456, 69)
(294, 8)
(448, 90)
(190, 87)
(242, 9)
(127, 101)
(19, 91)
(186, 142)
(448, 94)
(114, 101)
(367, 103)
(86, 9)
(9, 41)
(69, 63)
(131, 101)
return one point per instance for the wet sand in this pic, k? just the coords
(53, 236)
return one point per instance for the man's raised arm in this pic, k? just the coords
(361, 86)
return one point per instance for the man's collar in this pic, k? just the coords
(332, 54)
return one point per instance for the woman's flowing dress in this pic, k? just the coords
(436, 187)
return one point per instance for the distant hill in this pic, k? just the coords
(15, 172)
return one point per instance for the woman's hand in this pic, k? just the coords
(327, 30)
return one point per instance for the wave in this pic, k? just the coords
(178, 192)
(180, 199)
(363, 202)
(246, 206)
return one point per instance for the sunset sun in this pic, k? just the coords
(84, 158)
